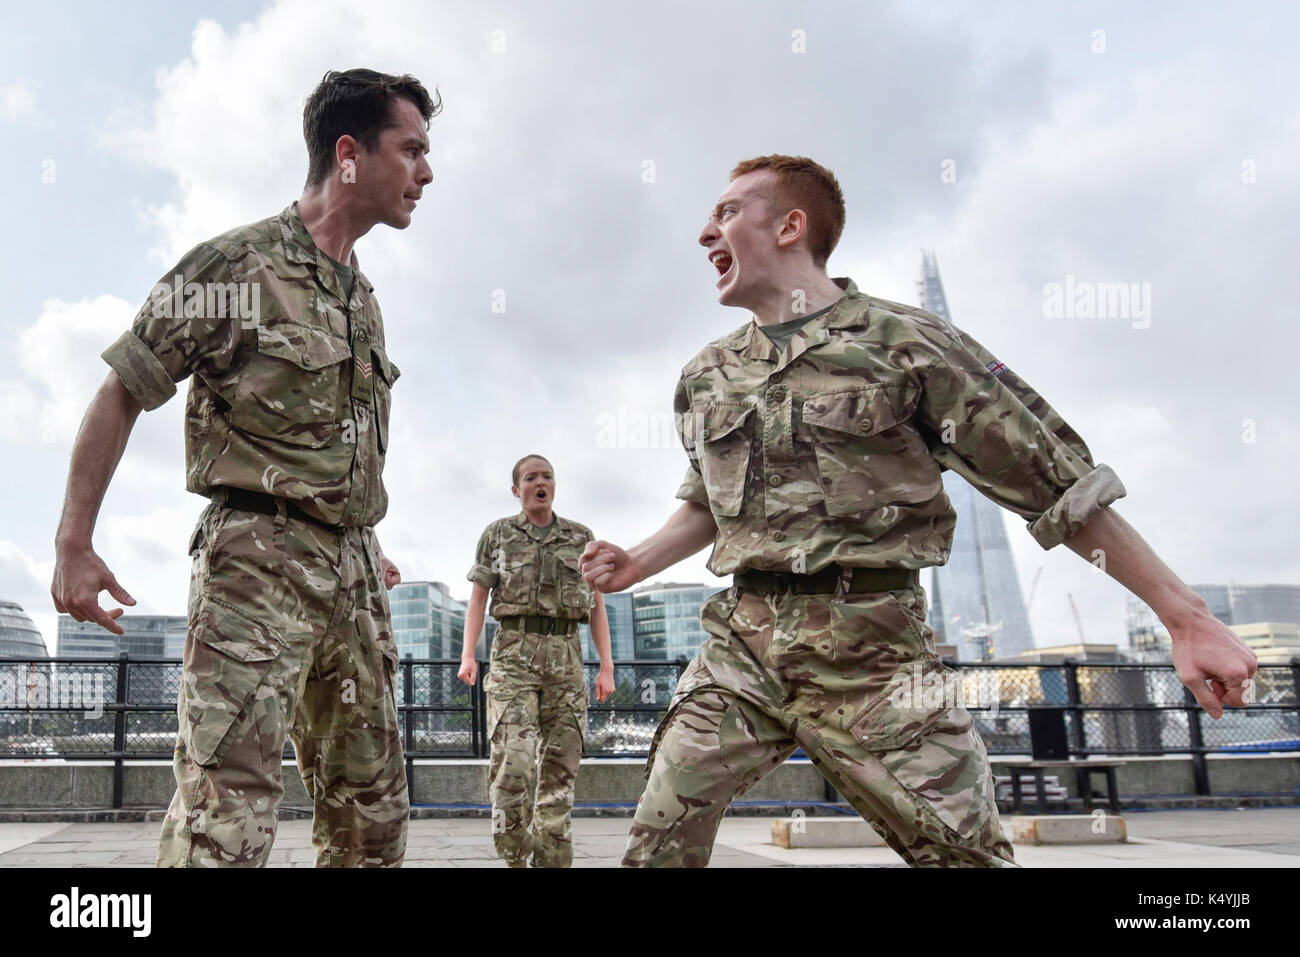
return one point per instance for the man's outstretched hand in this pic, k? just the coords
(79, 576)
(1205, 649)
(607, 568)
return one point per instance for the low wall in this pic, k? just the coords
(53, 785)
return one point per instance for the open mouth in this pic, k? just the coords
(723, 263)
(541, 495)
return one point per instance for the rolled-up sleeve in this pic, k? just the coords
(483, 572)
(1000, 435)
(174, 332)
(692, 487)
(140, 370)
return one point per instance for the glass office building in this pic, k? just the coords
(1236, 604)
(975, 599)
(146, 636)
(1232, 604)
(427, 621)
(666, 621)
(19, 636)
(622, 637)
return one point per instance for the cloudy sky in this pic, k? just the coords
(579, 151)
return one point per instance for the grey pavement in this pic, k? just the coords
(1252, 837)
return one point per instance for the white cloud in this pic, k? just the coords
(17, 100)
(59, 353)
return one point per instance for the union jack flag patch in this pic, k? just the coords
(997, 368)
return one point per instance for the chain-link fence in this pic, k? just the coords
(123, 709)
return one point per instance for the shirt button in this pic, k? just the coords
(778, 536)
(774, 480)
(778, 392)
(704, 433)
(306, 362)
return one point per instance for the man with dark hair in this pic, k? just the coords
(536, 687)
(816, 435)
(286, 430)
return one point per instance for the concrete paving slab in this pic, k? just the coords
(1262, 837)
(20, 834)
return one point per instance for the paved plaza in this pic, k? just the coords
(1252, 837)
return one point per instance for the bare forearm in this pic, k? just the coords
(98, 448)
(1116, 547)
(687, 530)
(600, 632)
(474, 620)
(473, 628)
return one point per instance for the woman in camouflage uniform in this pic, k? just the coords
(536, 688)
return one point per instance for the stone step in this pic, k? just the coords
(1096, 828)
(800, 832)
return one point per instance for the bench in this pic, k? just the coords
(1084, 770)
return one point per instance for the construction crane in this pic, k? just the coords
(1033, 588)
(1078, 623)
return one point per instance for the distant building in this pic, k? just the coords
(19, 636)
(666, 620)
(1274, 642)
(1232, 604)
(427, 621)
(975, 599)
(1056, 654)
(1235, 604)
(1148, 638)
(145, 636)
(622, 637)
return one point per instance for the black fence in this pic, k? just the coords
(123, 709)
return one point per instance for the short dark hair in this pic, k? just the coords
(804, 184)
(356, 103)
(514, 472)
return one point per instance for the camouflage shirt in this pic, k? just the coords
(532, 576)
(290, 387)
(830, 450)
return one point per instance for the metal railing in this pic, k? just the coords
(120, 709)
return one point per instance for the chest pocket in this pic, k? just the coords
(386, 374)
(290, 388)
(868, 454)
(721, 442)
(575, 594)
(515, 581)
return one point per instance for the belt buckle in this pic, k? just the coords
(550, 626)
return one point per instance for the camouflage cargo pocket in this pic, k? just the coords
(868, 453)
(693, 678)
(226, 663)
(930, 746)
(722, 446)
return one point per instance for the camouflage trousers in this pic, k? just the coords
(830, 674)
(289, 633)
(537, 717)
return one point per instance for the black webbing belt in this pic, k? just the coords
(539, 624)
(826, 581)
(248, 501)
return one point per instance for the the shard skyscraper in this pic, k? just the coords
(975, 599)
